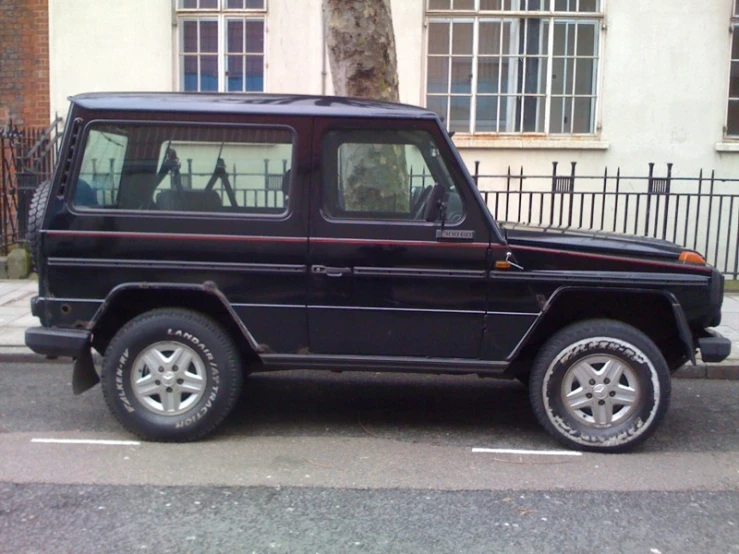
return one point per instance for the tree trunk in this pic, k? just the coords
(361, 50)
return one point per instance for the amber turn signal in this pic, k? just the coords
(689, 257)
(502, 264)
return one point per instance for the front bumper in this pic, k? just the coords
(714, 348)
(58, 342)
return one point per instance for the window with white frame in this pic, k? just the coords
(732, 113)
(221, 45)
(514, 66)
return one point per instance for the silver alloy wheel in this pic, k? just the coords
(168, 378)
(601, 390)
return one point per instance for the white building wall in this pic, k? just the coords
(664, 76)
(101, 45)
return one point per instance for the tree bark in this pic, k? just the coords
(361, 50)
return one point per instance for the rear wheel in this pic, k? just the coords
(171, 375)
(600, 385)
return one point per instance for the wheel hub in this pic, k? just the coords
(601, 390)
(168, 378)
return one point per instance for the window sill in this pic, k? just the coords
(727, 146)
(469, 140)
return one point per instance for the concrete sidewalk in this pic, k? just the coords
(15, 318)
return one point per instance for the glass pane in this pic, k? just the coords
(188, 4)
(734, 81)
(438, 75)
(533, 110)
(100, 174)
(255, 73)
(492, 5)
(208, 4)
(585, 76)
(736, 8)
(589, 5)
(560, 115)
(209, 36)
(189, 36)
(255, 4)
(732, 123)
(438, 38)
(235, 73)
(582, 119)
(587, 40)
(235, 36)
(460, 114)
(235, 5)
(209, 73)
(190, 74)
(490, 39)
(461, 75)
(255, 36)
(462, 38)
(487, 114)
(562, 76)
(564, 38)
(534, 35)
(735, 43)
(464, 4)
(439, 105)
(509, 115)
(440, 4)
(535, 78)
(487, 75)
(563, 5)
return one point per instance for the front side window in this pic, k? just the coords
(384, 175)
(732, 118)
(180, 168)
(221, 45)
(514, 66)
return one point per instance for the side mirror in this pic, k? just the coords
(435, 206)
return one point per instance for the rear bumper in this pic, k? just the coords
(57, 342)
(714, 348)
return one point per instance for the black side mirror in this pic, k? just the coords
(435, 207)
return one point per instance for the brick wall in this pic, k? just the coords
(24, 62)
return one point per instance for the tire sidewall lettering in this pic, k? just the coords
(621, 433)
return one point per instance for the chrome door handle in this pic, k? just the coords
(330, 271)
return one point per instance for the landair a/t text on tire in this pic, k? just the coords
(171, 375)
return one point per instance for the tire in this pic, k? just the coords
(606, 360)
(36, 211)
(171, 402)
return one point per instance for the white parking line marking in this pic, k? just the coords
(527, 452)
(88, 441)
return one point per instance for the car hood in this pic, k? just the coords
(601, 242)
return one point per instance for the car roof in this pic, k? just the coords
(287, 104)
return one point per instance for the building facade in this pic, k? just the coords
(604, 83)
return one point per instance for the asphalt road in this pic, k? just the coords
(314, 462)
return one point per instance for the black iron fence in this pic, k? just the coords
(700, 212)
(27, 158)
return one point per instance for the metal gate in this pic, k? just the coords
(28, 157)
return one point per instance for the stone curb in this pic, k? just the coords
(726, 370)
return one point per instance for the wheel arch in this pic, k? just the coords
(644, 309)
(129, 300)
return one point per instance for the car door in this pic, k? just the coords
(384, 281)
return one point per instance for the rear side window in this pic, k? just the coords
(185, 168)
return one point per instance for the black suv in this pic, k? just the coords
(193, 239)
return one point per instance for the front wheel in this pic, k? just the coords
(600, 385)
(171, 375)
